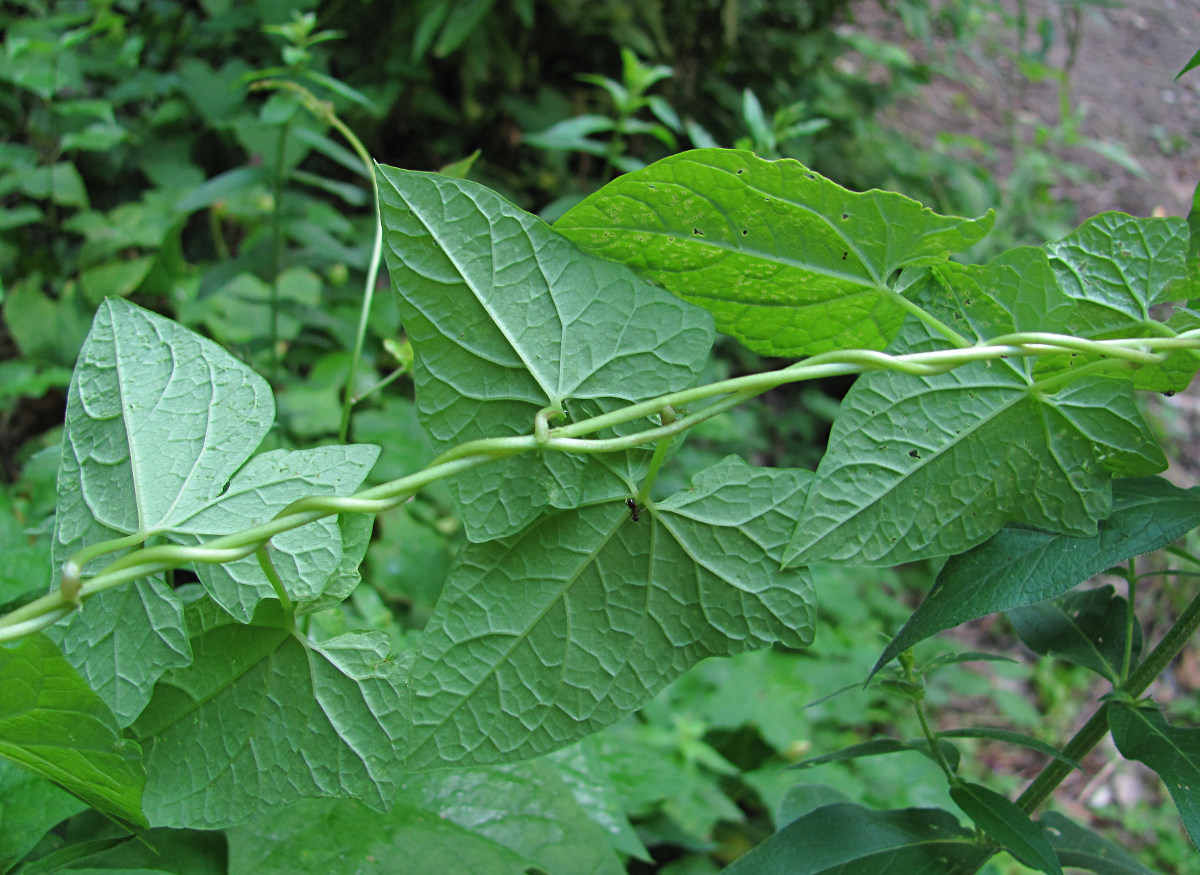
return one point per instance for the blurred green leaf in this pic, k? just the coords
(54, 725)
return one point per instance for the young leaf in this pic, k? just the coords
(847, 839)
(787, 261)
(262, 717)
(1081, 848)
(1143, 734)
(1023, 566)
(1008, 736)
(54, 725)
(506, 319)
(879, 746)
(544, 637)
(1087, 629)
(1003, 821)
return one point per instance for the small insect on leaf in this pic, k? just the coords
(634, 510)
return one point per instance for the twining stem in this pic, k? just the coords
(323, 110)
(277, 245)
(268, 567)
(567, 438)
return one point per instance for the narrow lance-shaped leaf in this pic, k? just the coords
(543, 638)
(1083, 849)
(848, 839)
(54, 725)
(1003, 821)
(507, 318)
(1023, 566)
(1143, 734)
(262, 717)
(880, 746)
(788, 262)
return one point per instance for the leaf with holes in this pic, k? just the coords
(788, 262)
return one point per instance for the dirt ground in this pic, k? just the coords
(1121, 72)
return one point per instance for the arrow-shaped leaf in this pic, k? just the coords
(506, 319)
(544, 637)
(158, 421)
(262, 717)
(787, 261)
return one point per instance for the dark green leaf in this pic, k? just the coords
(262, 717)
(506, 319)
(1192, 64)
(1008, 736)
(1003, 821)
(1087, 628)
(54, 725)
(544, 637)
(1024, 566)
(1143, 734)
(879, 746)
(788, 262)
(1081, 848)
(847, 839)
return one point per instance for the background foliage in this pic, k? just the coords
(139, 160)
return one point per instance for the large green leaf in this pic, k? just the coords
(262, 717)
(29, 807)
(1087, 628)
(542, 638)
(1007, 824)
(1081, 848)
(54, 725)
(920, 466)
(1023, 566)
(158, 421)
(491, 820)
(1143, 734)
(847, 839)
(506, 319)
(787, 261)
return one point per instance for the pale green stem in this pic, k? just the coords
(928, 318)
(268, 567)
(48, 609)
(1130, 618)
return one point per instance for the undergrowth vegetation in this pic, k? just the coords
(315, 577)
